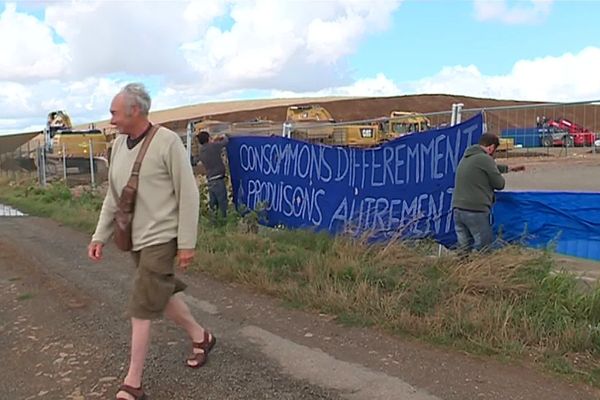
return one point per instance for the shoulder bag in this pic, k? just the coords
(126, 205)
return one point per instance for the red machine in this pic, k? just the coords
(580, 135)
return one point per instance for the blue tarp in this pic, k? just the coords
(403, 186)
(568, 220)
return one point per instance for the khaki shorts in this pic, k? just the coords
(155, 280)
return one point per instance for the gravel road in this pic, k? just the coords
(63, 336)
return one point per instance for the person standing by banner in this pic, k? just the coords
(164, 229)
(477, 177)
(211, 157)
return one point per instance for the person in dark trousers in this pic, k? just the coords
(210, 155)
(477, 177)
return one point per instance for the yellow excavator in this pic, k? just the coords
(403, 123)
(314, 123)
(256, 126)
(61, 140)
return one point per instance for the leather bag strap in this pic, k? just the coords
(135, 171)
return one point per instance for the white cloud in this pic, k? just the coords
(292, 45)
(26, 106)
(27, 48)
(189, 51)
(74, 55)
(380, 85)
(15, 99)
(131, 37)
(569, 77)
(520, 12)
(219, 45)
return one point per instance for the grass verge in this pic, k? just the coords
(511, 303)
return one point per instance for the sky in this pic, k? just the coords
(76, 55)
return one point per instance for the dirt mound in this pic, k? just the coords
(356, 109)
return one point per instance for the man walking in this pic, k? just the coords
(210, 155)
(164, 229)
(477, 177)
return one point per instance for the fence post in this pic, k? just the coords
(44, 166)
(14, 166)
(453, 118)
(453, 115)
(459, 107)
(38, 163)
(29, 155)
(41, 165)
(91, 149)
(19, 159)
(64, 162)
(287, 129)
(188, 141)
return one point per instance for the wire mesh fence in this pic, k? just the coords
(35, 162)
(7, 211)
(553, 129)
(545, 129)
(537, 129)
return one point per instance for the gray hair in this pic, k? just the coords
(136, 94)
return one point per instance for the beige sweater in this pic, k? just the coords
(167, 203)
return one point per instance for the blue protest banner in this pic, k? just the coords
(404, 187)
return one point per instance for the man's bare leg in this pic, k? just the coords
(140, 340)
(178, 312)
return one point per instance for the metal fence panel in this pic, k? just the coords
(29, 163)
(554, 129)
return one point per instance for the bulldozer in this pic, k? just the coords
(403, 123)
(61, 140)
(213, 127)
(315, 124)
(256, 126)
(306, 121)
(311, 123)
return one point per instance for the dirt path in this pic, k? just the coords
(63, 336)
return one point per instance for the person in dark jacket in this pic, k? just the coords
(210, 154)
(477, 178)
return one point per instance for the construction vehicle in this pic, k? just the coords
(111, 134)
(581, 136)
(538, 137)
(550, 133)
(61, 140)
(506, 144)
(311, 123)
(306, 119)
(214, 127)
(256, 126)
(403, 123)
(308, 113)
(314, 123)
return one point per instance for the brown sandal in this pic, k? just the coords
(137, 393)
(206, 345)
